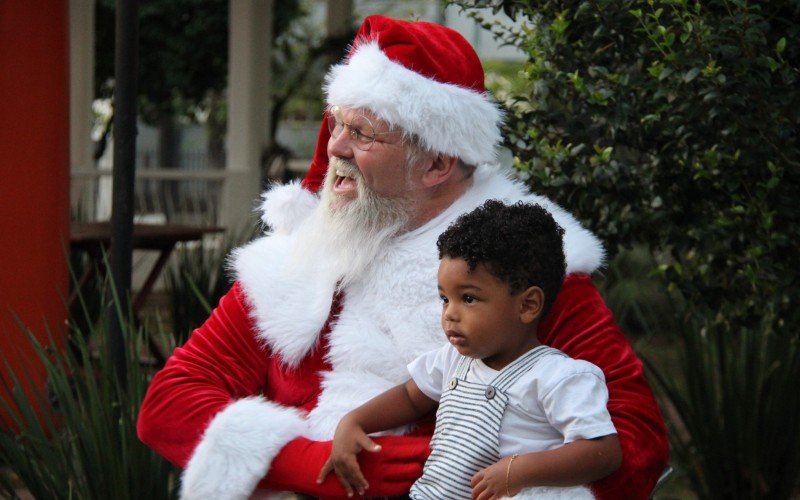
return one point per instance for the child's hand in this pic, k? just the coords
(490, 483)
(348, 442)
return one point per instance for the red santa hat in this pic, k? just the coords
(422, 77)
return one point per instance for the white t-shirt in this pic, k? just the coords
(556, 402)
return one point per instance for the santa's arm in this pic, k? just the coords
(390, 472)
(202, 411)
(582, 326)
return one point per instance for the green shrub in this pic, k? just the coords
(673, 124)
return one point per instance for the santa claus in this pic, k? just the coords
(339, 295)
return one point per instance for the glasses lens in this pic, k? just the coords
(363, 132)
(334, 125)
(360, 129)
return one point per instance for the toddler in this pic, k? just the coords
(513, 415)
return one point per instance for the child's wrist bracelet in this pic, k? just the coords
(508, 472)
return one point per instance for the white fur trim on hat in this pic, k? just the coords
(446, 118)
(237, 449)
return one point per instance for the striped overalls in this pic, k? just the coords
(466, 439)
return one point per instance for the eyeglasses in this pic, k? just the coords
(360, 128)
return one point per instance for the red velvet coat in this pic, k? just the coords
(233, 403)
(188, 392)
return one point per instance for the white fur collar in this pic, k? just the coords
(390, 316)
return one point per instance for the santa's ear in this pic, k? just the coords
(439, 170)
(531, 304)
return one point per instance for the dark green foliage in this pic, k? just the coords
(301, 57)
(196, 282)
(674, 124)
(737, 399)
(641, 305)
(85, 445)
(86, 308)
(183, 52)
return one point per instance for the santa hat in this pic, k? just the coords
(422, 77)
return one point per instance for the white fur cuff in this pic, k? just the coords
(237, 449)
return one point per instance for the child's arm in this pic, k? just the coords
(398, 406)
(576, 463)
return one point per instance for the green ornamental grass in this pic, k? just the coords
(85, 445)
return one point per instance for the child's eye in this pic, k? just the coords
(469, 299)
(443, 299)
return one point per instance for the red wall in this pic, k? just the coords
(34, 174)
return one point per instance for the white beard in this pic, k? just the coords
(349, 238)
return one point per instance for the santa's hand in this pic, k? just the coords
(397, 466)
(389, 473)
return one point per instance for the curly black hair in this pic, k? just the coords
(521, 244)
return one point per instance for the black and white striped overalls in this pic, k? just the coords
(467, 433)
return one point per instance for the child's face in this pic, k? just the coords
(480, 316)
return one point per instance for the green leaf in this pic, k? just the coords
(772, 64)
(781, 45)
(656, 69)
(773, 183)
(691, 74)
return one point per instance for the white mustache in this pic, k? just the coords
(344, 168)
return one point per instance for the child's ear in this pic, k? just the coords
(531, 304)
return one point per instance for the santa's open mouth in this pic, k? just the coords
(344, 181)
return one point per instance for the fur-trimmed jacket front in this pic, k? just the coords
(285, 356)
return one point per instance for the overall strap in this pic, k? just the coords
(462, 368)
(466, 438)
(521, 365)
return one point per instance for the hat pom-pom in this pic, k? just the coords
(284, 207)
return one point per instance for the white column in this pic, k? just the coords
(248, 109)
(81, 95)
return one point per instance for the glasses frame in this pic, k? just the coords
(356, 134)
